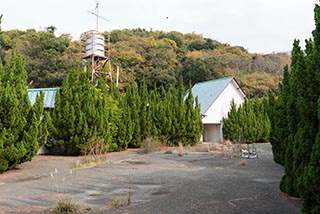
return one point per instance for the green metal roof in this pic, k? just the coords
(49, 96)
(207, 92)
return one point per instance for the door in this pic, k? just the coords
(212, 133)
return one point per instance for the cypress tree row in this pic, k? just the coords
(83, 113)
(19, 121)
(249, 123)
(295, 123)
(166, 115)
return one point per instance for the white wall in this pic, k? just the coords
(221, 106)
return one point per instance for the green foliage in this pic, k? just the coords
(47, 57)
(153, 56)
(82, 111)
(207, 44)
(166, 115)
(1, 40)
(174, 36)
(295, 123)
(257, 84)
(133, 103)
(231, 124)
(19, 121)
(195, 70)
(193, 124)
(249, 123)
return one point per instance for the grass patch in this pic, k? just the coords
(94, 151)
(65, 205)
(87, 163)
(117, 203)
(152, 144)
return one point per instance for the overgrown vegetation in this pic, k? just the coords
(118, 202)
(64, 205)
(93, 153)
(295, 115)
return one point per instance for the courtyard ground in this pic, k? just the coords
(159, 182)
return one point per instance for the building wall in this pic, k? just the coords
(219, 109)
(221, 106)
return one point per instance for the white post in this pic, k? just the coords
(117, 80)
(221, 131)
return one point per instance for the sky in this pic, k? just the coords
(260, 26)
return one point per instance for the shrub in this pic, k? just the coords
(64, 205)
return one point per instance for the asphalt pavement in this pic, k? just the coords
(197, 182)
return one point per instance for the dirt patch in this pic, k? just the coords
(292, 200)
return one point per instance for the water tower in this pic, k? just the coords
(96, 50)
(95, 53)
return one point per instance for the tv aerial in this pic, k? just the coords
(96, 14)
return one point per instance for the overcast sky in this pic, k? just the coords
(262, 26)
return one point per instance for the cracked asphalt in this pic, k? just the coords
(198, 182)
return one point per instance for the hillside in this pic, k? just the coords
(158, 57)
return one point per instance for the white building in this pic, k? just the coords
(215, 97)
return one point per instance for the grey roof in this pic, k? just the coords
(49, 96)
(207, 92)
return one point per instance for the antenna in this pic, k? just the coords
(96, 14)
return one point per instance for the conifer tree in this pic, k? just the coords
(311, 177)
(249, 123)
(193, 120)
(279, 119)
(125, 126)
(164, 124)
(19, 121)
(265, 128)
(174, 116)
(182, 110)
(154, 111)
(306, 153)
(305, 130)
(83, 112)
(144, 111)
(295, 139)
(133, 102)
(231, 125)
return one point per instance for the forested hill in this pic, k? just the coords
(156, 56)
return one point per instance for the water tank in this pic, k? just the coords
(94, 44)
